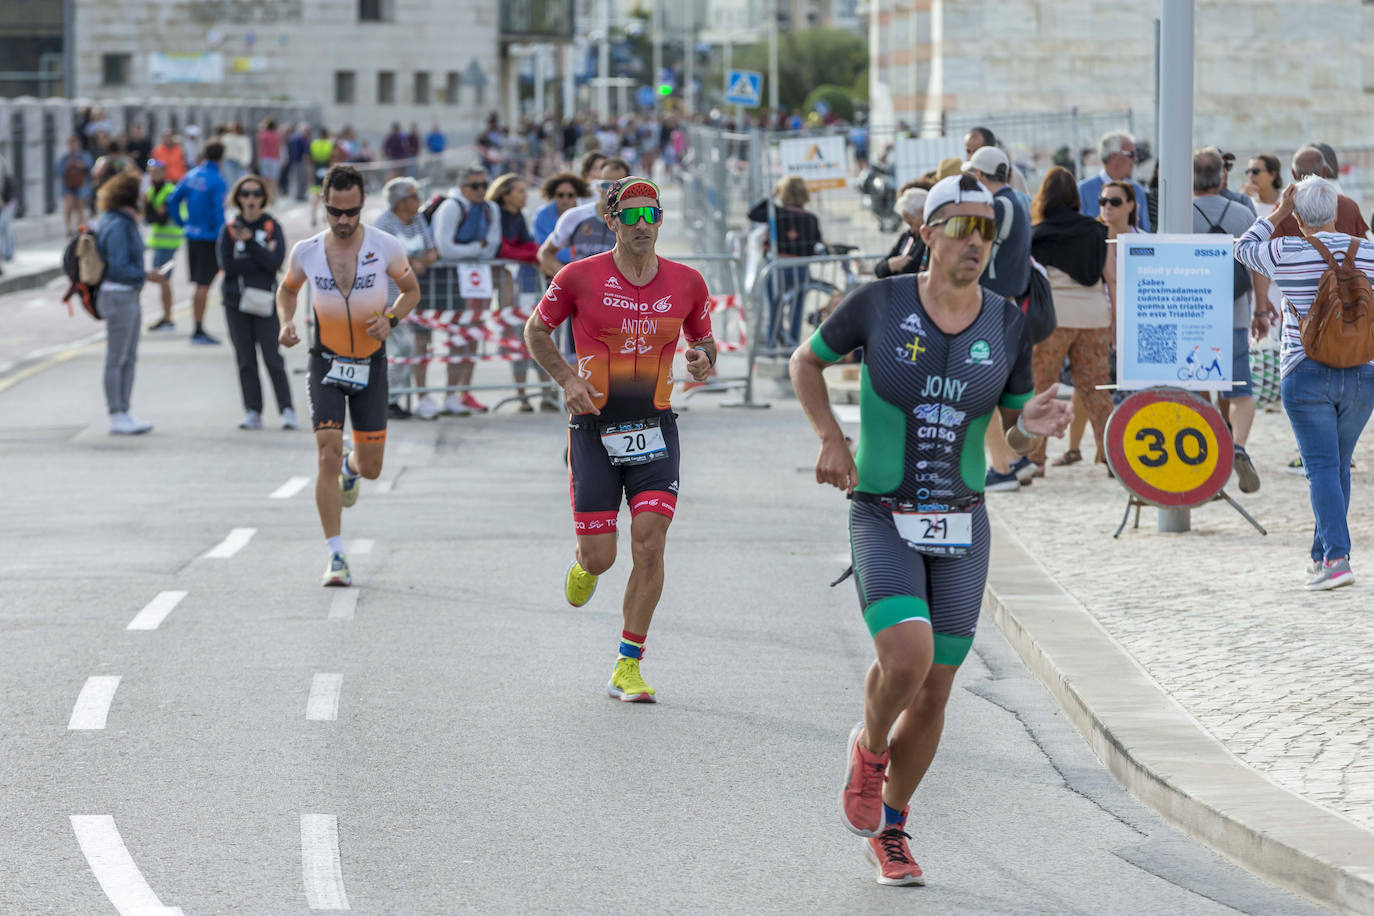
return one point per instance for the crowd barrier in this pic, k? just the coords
(791, 296)
(467, 328)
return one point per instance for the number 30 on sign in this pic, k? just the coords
(1169, 447)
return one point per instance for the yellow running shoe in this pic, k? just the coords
(578, 585)
(350, 486)
(626, 684)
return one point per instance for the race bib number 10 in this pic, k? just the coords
(940, 534)
(635, 442)
(348, 374)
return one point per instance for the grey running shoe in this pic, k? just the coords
(1331, 574)
(1245, 471)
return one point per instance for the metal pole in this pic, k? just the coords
(1156, 137)
(689, 53)
(69, 48)
(1176, 150)
(603, 64)
(773, 56)
(656, 36)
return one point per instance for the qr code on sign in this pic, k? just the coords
(1157, 343)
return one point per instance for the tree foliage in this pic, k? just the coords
(807, 59)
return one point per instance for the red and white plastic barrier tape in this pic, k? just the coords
(472, 326)
(722, 303)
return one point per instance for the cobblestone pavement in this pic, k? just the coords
(1218, 616)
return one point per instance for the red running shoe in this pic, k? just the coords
(889, 851)
(861, 799)
(471, 403)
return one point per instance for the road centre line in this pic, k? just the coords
(114, 868)
(344, 604)
(93, 703)
(156, 611)
(323, 703)
(321, 868)
(290, 488)
(236, 541)
(361, 546)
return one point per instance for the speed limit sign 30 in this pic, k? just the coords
(1170, 448)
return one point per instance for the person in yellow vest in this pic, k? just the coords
(321, 156)
(164, 238)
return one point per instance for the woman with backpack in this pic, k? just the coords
(1326, 354)
(250, 249)
(120, 244)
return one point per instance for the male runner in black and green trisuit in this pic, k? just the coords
(942, 358)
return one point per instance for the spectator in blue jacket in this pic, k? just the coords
(563, 192)
(121, 248)
(1117, 152)
(203, 190)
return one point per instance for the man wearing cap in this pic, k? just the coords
(628, 308)
(942, 359)
(164, 238)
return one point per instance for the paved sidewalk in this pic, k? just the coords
(1218, 616)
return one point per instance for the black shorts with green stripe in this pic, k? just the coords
(897, 584)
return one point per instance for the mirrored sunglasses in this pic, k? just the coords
(631, 215)
(961, 227)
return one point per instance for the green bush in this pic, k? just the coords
(839, 99)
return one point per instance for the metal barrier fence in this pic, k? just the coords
(727, 171)
(791, 296)
(33, 132)
(468, 328)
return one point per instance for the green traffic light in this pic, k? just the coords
(665, 89)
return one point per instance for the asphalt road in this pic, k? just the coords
(438, 740)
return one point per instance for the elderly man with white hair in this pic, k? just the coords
(1328, 407)
(908, 254)
(1116, 150)
(402, 220)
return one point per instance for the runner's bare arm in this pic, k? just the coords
(577, 391)
(548, 258)
(835, 464)
(1043, 415)
(701, 357)
(287, 291)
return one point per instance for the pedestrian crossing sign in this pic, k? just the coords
(744, 87)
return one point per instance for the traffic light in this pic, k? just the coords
(665, 89)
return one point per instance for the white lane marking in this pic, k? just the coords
(236, 541)
(323, 704)
(344, 604)
(383, 486)
(156, 611)
(290, 488)
(361, 546)
(114, 868)
(93, 704)
(321, 867)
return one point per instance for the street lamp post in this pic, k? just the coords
(1176, 150)
(603, 61)
(773, 55)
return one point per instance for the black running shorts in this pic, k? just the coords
(367, 408)
(596, 485)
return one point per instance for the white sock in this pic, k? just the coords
(348, 470)
(335, 544)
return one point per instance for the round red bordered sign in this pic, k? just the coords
(1170, 448)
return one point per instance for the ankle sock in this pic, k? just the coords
(892, 817)
(631, 645)
(335, 544)
(348, 468)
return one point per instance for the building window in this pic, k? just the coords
(114, 69)
(422, 89)
(345, 87)
(386, 87)
(452, 83)
(376, 10)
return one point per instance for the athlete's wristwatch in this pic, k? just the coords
(391, 316)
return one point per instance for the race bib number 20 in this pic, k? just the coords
(635, 442)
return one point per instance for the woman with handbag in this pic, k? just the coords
(251, 249)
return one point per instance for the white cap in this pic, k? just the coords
(947, 191)
(192, 130)
(987, 159)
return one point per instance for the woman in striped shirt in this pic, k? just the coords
(1327, 407)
